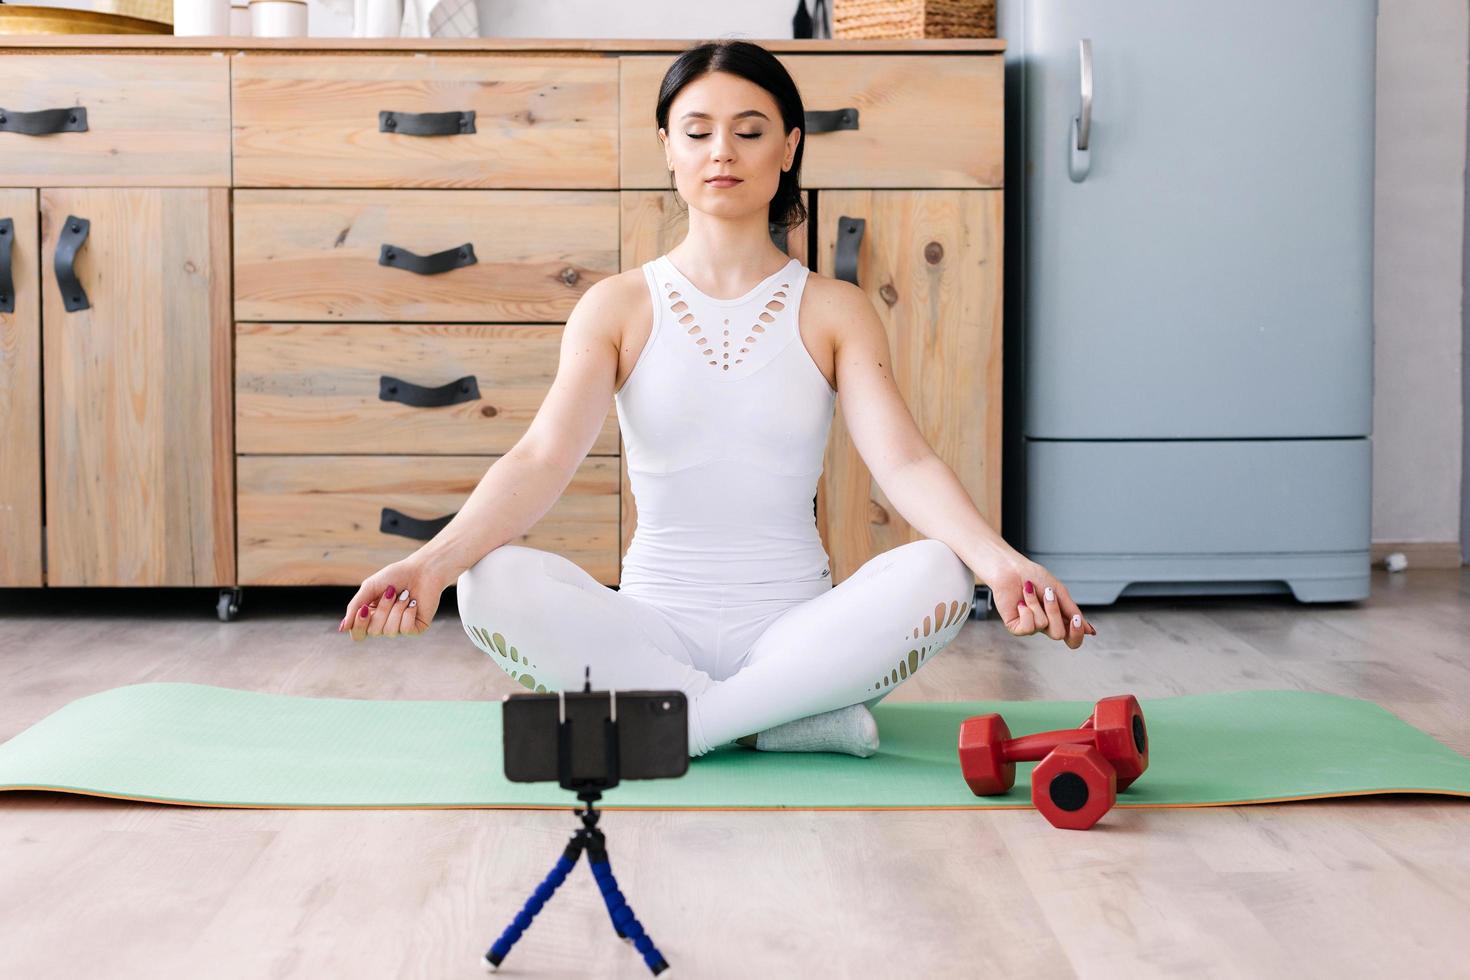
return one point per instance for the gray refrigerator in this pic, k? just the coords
(1189, 294)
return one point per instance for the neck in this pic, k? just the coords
(728, 255)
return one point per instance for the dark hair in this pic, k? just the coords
(755, 64)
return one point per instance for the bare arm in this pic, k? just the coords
(922, 487)
(520, 487)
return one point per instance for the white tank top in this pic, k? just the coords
(724, 421)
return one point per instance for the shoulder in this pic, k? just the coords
(828, 292)
(834, 307)
(610, 304)
(620, 286)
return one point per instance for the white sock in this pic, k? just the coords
(851, 730)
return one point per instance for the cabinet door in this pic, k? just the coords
(136, 361)
(930, 261)
(20, 391)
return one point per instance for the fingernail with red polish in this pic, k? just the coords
(362, 611)
(1030, 588)
(390, 593)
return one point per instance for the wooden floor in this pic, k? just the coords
(1374, 886)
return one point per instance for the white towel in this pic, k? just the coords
(415, 18)
(440, 18)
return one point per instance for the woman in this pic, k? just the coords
(725, 393)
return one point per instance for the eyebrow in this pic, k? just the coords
(738, 115)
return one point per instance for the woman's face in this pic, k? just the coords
(723, 124)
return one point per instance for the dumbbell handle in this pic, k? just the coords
(1033, 748)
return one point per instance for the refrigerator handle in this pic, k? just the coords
(1079, 147)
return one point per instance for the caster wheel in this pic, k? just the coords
(228, 606)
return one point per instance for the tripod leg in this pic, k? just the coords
(624, 921)
(568, 860)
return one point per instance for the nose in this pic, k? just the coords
(722, 146)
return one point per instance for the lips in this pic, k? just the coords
(723, 180)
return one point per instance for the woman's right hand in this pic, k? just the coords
(398, 600)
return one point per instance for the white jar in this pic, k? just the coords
(278, 18)
(201, 18)
(240, 18)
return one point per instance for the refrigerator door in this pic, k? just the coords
(1208, 273)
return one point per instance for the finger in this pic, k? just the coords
(1071, 610)
(1075, 631)
(411, 624)
(1056, 623)
(1025, 620)
(379, 616)
(1033, 602)
(349, 615)
(360, 621)
(1004, 597)
(394, 625)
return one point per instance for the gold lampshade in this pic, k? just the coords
(110, 17)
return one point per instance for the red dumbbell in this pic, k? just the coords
(988, 754)
(1125, 742)
(1073, 786)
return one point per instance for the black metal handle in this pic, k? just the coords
(391, 389)
(428, 265)
(420, 529)
(7, 281)
(44, 122)
(849, 243)
(831, 120)
(73, 234)
(426, 123)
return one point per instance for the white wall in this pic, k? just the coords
(702, 19)
(1418, 279)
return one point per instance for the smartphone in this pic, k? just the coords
(652, 734)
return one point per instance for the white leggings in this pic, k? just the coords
(744, 666)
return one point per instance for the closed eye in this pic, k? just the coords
(748, 136)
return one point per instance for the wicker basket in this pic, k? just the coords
(912, 18)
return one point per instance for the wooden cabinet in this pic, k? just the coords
(873, 120)
(382, 255)
(105, 119)
(118, 282)
(139, 482)
(930, 261)
(446, 120)
(329, 519)
(20, 390)
(337, 271)
(123, 295)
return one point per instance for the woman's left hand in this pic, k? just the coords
(1031, 600)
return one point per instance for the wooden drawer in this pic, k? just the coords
(316, 520)
(335, 388)
(315, 121)
(150, 120)
(318, 254)
(923, 120)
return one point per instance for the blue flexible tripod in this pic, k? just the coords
(590, 839)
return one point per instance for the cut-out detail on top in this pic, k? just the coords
(697, 333)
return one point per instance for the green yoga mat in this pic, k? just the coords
(210, 746)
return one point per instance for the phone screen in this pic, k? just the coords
(652, 734)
